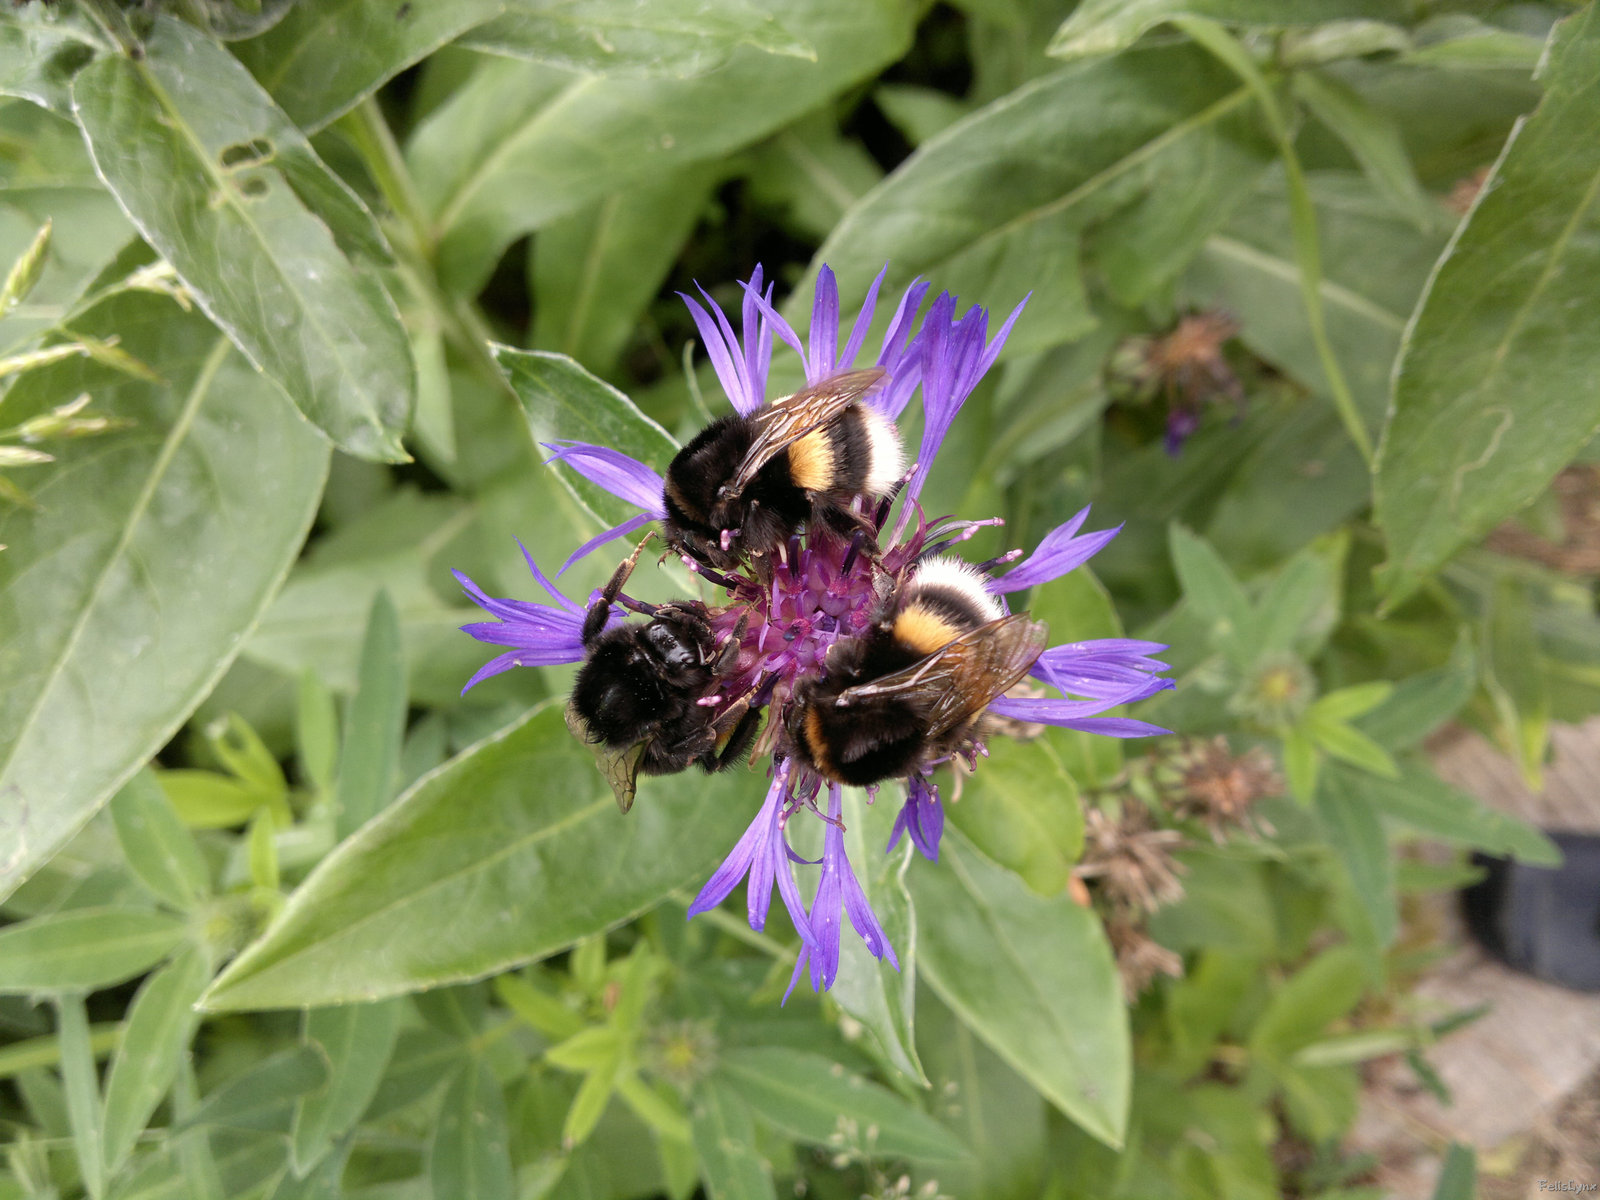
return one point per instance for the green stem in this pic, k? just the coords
(367, 128)
(738, 929)
(1302, 216)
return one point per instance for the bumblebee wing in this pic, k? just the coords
(620, 767)
(779, 425)
(959, 680)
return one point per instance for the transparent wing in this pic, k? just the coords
(960, 679)
(790, 419)
(620, 767)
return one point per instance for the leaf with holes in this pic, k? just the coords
(130, 589)
(231, 194)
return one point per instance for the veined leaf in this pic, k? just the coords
(321, 59)
(84, 948)
(1141, 157)
(510, 852)
(219, 180)
(724, 1138)
(357, 1040)
(1494, 390)
(41, 49)
(369, 763)
(159, 850)
(471, 1145)
(521, 144)
(664, 37)
(1033, 977)
(1106, 26)
(130, 588)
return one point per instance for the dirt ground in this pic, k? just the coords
(1525, 1078)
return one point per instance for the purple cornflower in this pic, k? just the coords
(816, 591)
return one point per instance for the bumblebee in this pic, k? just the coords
(912, 691)
(636, 701)
(744, 484)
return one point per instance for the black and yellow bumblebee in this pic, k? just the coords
(912, 691)
(744, 484)
(637, 699)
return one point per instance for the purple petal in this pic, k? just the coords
(760, 853)
(1117, 727)
(624, 477)
(774, 320)
(922, 816)
(838, 889)
(741, 367)
(610, 535)
(823, 337)
(1059, 552)
(997, 343)
(858, 331)
(546, 584)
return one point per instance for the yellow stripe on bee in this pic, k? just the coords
(817, 744)
(811, 462)
(924, 631)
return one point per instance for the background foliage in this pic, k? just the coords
(289, 917)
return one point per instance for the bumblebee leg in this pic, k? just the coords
(729, 654)
(600, 611)
(738, 741)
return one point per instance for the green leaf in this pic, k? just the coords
(806, 1096)
(1033, 977)
(356, 1040)
(161, 1020)
(159, 850)
(209, 169)
(1210, 588)
(369, 764)
(508, 853)
(589, 1049)
(1347, 703)
(1300, 606)
(595, 272)
(1106, 26)
(1140, 157)
(589, 1105)
(1350, 820)
(665, 37)
(262, 1096)
(521, 144)
(471, 1146)
(82, 1086)
(1307, 1003)
(84, 948)
(1421, 703)
(40, 51)
(1022, 810)
(1350, 745)
(869, 989)
(316, 731)
(322, 59)
(1458, 1177)
(1373, 141)
(724, 1138)
(1492, 395)
(1515, 677)
(1424, 801)
(1300, 764)
(562, 400)
(209, 800)
(537, 1008)
(133, 588)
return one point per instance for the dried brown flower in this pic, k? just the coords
(1130, 860)
(1219, 788)
(1140, 958)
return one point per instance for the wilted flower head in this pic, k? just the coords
(1185, 368)
(784, 612)
(1139, 957)
(1131, 859)
(1219, 788)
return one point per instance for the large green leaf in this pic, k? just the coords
(724, 1137)
(375, 724)
(357, 1040)
(471, 1152)
(1033, 977)
(562, 400)
(595, 271)
(1495, 388)
(1142, 156)
(323, 58)
(40, 50)
(510, 852)
(133, 585)
(218, 179)
(1022, 810)
(1106, 26)
(521, 144)
(664, 37)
